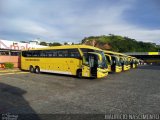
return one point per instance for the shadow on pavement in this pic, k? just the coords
(68, 76)
(13, 104)
(152, 67)
(56, 74)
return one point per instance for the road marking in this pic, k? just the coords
(13, 73)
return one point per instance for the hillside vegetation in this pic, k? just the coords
(120, 44)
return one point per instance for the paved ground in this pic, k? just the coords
(134, 92)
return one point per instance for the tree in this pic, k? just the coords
(121, 44)
(55, 44)
(65, 43)
(43, 43)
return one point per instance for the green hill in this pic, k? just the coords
(120, 44)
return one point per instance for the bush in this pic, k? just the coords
(9, 65)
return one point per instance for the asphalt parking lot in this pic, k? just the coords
(132, 92)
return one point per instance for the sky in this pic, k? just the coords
(72, 20)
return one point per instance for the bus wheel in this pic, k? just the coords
(79, 73)
(37, 70)
(31, 69)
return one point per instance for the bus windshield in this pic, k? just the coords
(116, 61)
(101, 64)
(108, 60)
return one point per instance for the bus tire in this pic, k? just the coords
(31, 69)
(37, 70)
(79, 73)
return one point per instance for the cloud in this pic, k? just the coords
(73, 20)
(28, 27)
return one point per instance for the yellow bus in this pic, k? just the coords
(125, 61)
(109, 62)
(79, 60)
(114, 64)
(133, 61)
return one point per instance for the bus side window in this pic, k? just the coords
(63, 53)
(54, 53)
(47, 53)
(74, 53)
(29, 54)
(24, 54)
(42, 53)
(36, 53)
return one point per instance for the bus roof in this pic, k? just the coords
(119, 54)
(67, 47)
(111, 52)
(115, 53)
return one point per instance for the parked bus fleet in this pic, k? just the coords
(77, 60)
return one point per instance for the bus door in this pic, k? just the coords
(109, 62)
(132, 63)
(92, 65)
(122, 63)
(113, 66)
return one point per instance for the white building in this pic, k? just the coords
(14, 45)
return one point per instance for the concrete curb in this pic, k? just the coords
(9, 70)
(11, 73)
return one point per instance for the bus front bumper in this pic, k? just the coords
(109, 68)
(118, 69)
(102, 73)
